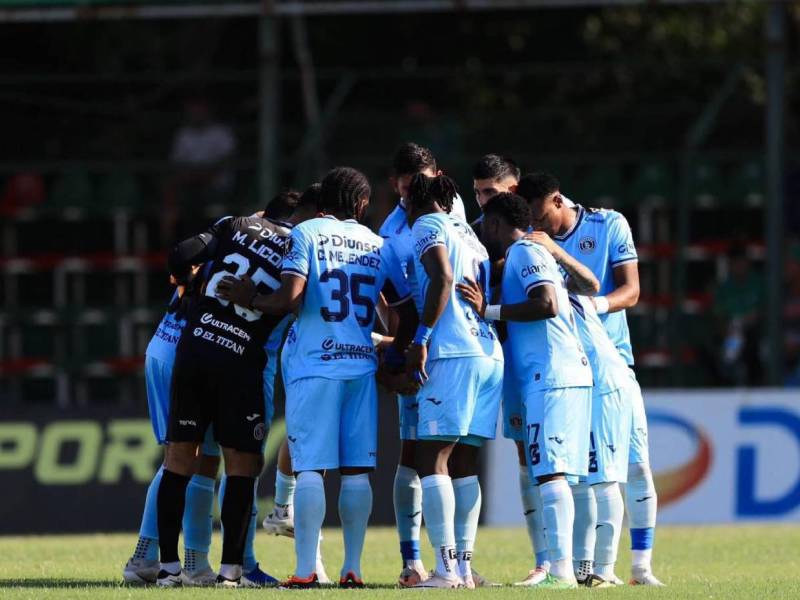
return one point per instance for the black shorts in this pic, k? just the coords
(230, 399)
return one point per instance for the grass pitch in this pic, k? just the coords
(699, 562)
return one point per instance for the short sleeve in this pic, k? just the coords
(428, 232)
(395, 288)
(297, 256)
(620, 240)
(459, 212)
(532, 267)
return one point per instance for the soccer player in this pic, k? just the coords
(409, 160)
(143, 566)
(457, 358)
(492, 174)
(218, 380)
(332, 274)
(602, 240)
(551, 369)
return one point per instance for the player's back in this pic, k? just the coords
(342, 264)
(601, 239)
(547, 353)
(459, 331)
(222, 331)
(609, 370)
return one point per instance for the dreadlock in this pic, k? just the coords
(342, 190)
(440, 189)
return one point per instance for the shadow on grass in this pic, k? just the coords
(94, 583)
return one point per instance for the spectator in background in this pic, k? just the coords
(202, 152)
(738, 307)
(791, 315)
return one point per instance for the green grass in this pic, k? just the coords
(696, 562)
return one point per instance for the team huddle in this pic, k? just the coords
(520, 313)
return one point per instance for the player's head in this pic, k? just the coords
(409, 160)
(543, 193)
(429, 194)
(494, 174)
(307, 205)
(282, 206)
(345, 193)
(506, 217)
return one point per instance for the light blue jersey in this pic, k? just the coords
(163, 343)
(342, 263)
(609, 370)
(547, 353)
(459, 332)
(601, 239)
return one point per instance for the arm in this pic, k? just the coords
(287, 298)
(581, 280)
(625, 269)
(194, 251)
(542, 303)
(626, 294)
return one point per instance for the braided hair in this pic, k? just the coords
(342, 190)
(440, 189)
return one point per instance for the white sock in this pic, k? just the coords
(610, 511)
(284, 488)
(467, 492)
(641, 502)
(309, 505)
(173, 568)
(232, 572)
(534, 517)
(439, 508)
(559, 514)
(583, 529)
(407, 493)
(355, 507)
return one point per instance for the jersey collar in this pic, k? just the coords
(342, 220)
(566, 235)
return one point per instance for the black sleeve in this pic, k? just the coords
(195, 251)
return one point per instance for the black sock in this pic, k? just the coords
(235, 517)
(171, 502)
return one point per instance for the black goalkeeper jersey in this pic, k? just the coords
(217, 330)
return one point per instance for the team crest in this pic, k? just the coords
(516, 422)
(259, 431)
(587, 245)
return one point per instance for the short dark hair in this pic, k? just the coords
(412, 158)
(310, 199)
(495, 167)
(536, 186)
(424, 189)
(513, 209)
(342, 189)
(282, 206)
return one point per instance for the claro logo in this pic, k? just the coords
(79, 452)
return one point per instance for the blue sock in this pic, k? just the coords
(534, 519)
(355, 507)
(284, 488)
(198, 522)
(147, 546)
(467, 493)
(309, 513)
(583, 529)
(439, 510)
(408, 511)
(559, 514)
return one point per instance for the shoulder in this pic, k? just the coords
(394, 223)
(603, 216)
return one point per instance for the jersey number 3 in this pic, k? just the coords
(345, 290)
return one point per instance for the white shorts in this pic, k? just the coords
(332, 423)
(609, 443)
(460, 398)
(557, 428)
(639, 446)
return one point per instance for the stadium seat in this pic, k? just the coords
(601, 187)
(654, 183)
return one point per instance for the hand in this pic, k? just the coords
(541, 238)
(472, 294)
(397, 382)
(416, 357)
(239, 291)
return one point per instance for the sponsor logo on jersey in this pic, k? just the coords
(208, 319)
(626, 248)
(587, 245)
(342, 241)
(337, 351)
(529, 270)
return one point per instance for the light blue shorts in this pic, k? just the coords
(158, 381)
(332, 423)
(460, 398)
(557, 428)
(409, 416)
(609, 443)
(270, 372)
(513, 408)
(639, 446)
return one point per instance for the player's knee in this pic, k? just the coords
(408, 454)
(243, 464)
(639, 471)
(180, 458)
(208, 465)
(548, 478)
